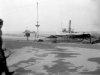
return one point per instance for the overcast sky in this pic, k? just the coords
(53, 14)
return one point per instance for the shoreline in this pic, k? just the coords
(16, 43)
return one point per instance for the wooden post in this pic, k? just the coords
(90, 39)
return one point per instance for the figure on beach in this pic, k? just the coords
(3, 63)
(27, 35)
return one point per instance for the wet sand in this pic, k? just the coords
(46, 58)
(13, 44)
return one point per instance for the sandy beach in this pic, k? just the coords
(47, 58)
(50, 37)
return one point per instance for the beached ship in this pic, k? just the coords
(71, 36)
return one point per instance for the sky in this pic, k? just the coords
(54, 15)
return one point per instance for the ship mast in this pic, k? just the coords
(37, 25)
(37, 13)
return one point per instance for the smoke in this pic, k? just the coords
(97, 14)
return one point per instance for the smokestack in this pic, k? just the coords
(69, 26)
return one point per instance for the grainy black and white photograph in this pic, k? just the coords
(49, 37)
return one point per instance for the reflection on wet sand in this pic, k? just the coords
(67, 61)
